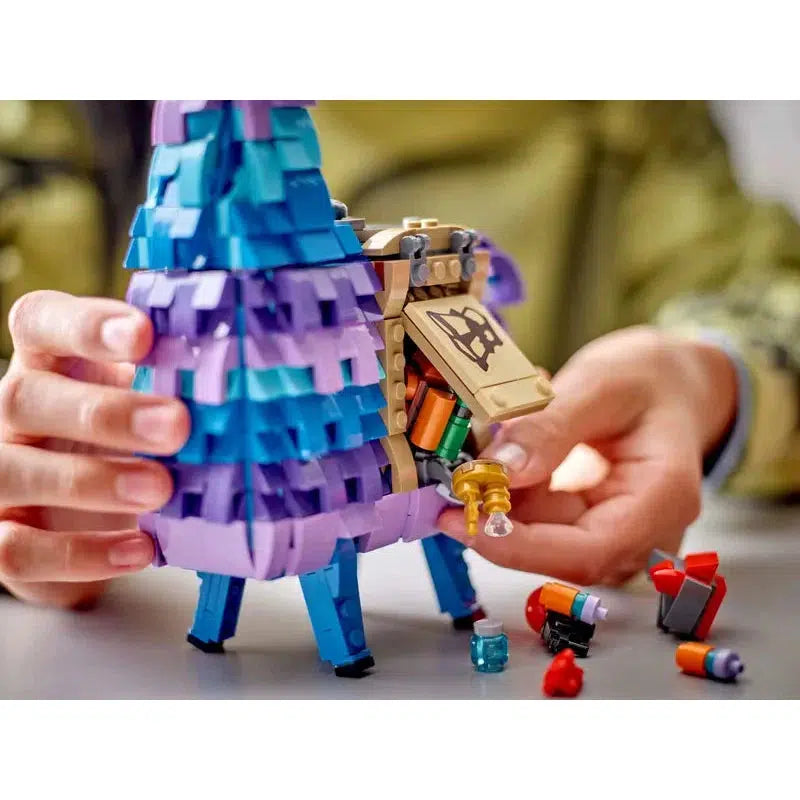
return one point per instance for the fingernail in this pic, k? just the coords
(118, 334)
(136, 552)
(154, 423)
(141, 488)
(512, 455)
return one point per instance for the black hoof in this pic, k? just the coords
(468, 622)
(206, 647)
(355, 670)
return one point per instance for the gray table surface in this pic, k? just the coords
(133, 646)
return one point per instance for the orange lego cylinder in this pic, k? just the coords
(558, 597)
(691, 657)
(432, 419)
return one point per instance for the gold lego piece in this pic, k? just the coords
(483, 484)
(486, 369)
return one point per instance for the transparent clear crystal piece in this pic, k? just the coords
(498, 525)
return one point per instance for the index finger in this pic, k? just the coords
(55, 324)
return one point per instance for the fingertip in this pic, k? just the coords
(516, 448)
(133, 552)
(183, 427)
(143, 337)
(163, 427)
(146, 485)
(127, 336)
(511, 454)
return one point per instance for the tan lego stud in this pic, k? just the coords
(439, 271)
(393, 383)
(499, 398)
(430, 223)
(454, 269)
(412, 222)
(485, 483)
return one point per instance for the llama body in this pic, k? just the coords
(286, 328)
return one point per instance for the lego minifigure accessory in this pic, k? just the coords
(707, 661)
(489, 646)
(563, 678)
(483, 483)
(564, 616)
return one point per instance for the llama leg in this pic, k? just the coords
(217, 611)
(450, 575)
(334, 607)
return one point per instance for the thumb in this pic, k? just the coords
(591, 404)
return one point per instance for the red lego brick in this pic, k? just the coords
(667, 581)
(703, 627)
(667, 564)
(702, 566)
(564, 678)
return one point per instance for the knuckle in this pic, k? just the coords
(96, 415)
(77, 479)
(12, 558)
(11, 389)
(545, 428)
(69, 556)
(556, 426)
(68, 480)
(85, 333)
(25, 309)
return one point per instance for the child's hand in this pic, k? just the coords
(651, 405)
(67, 505)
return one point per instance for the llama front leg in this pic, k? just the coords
(334, 608)
(217, 611)
(450, 574)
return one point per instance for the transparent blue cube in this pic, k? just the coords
(489, 646)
